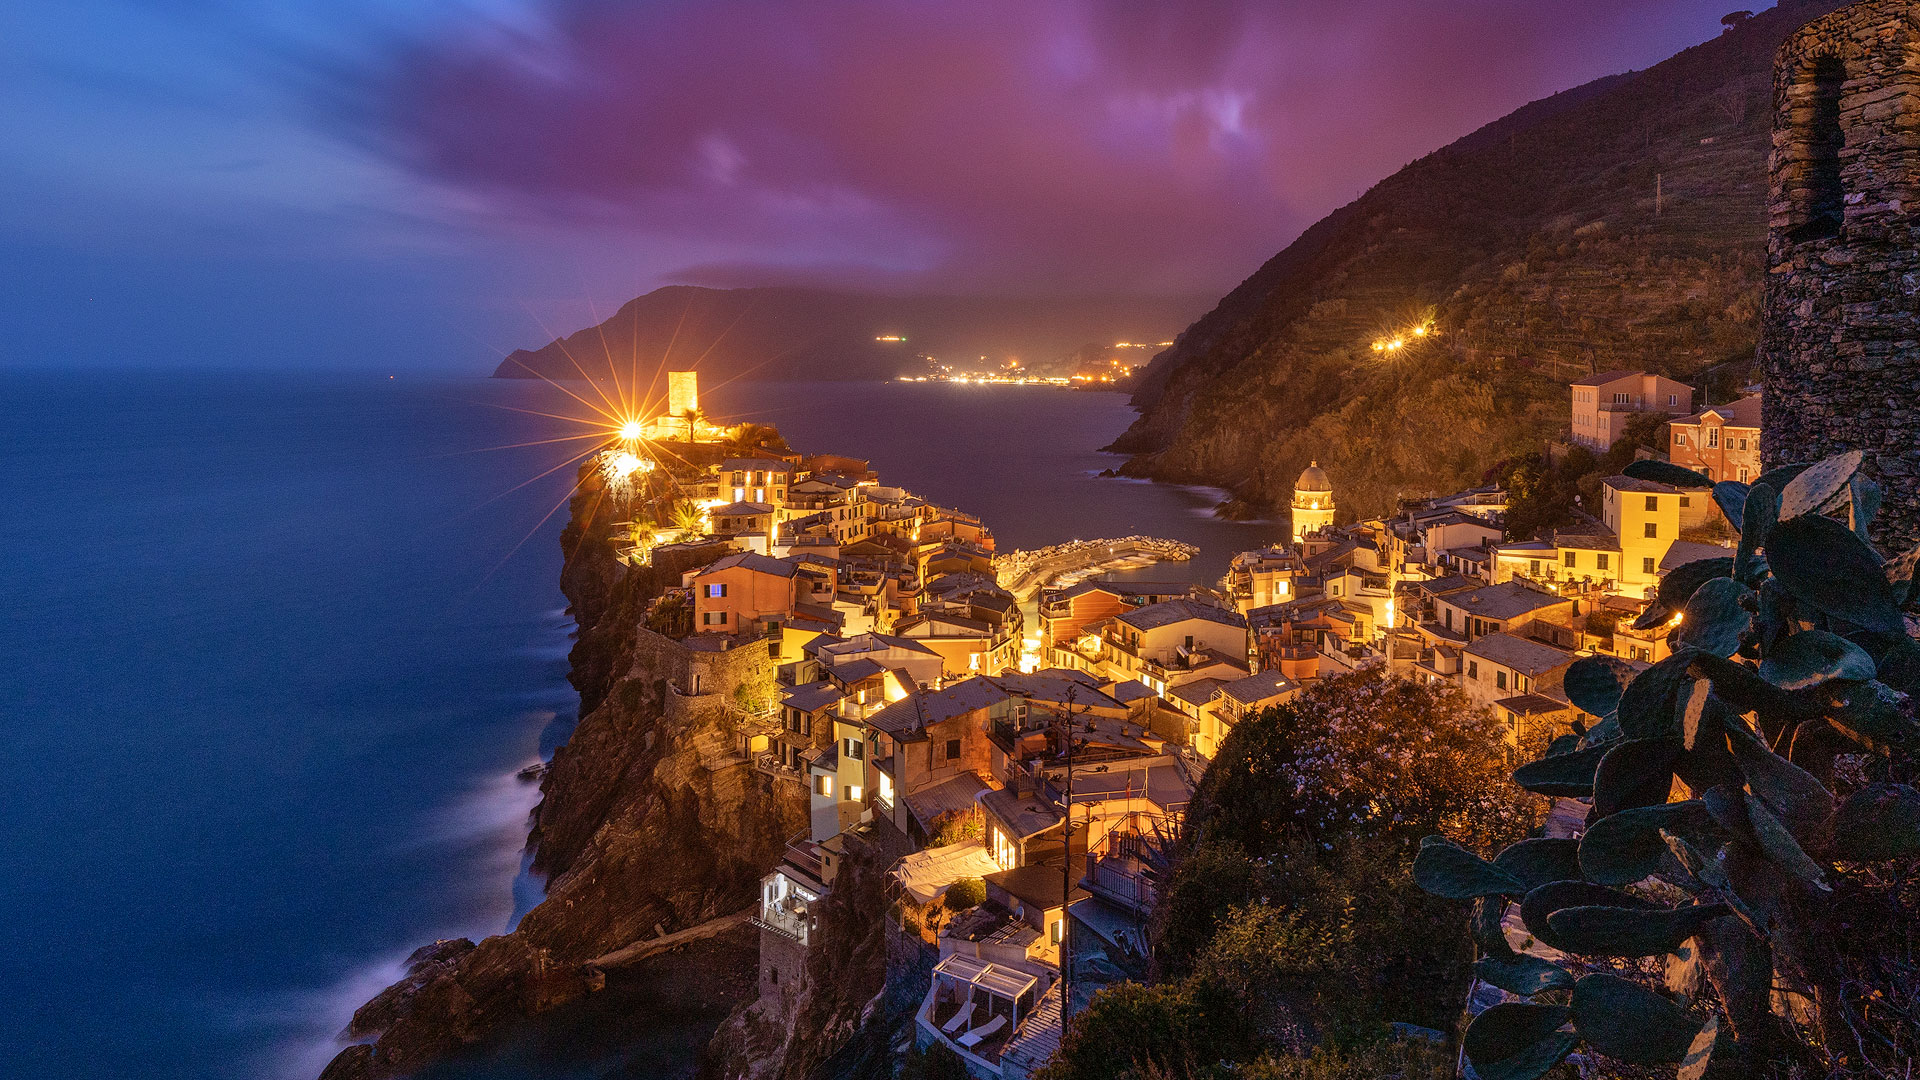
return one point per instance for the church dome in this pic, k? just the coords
(1314, 478)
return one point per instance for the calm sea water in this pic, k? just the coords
(275, 646)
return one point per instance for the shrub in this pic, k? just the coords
(965, 893)
(956, 826)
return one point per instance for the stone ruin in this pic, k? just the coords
(1840, 333)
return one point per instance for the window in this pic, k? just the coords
(1818, 141)
(1653, 530)
(853, 792)
(1673, 400)
(1600, 561)
(1743, 474)
(713, 618)
(1647, 566)
(1500, 679)
(953, 749)
(716, 592)
(855, 749)
(1685, 501)
(1572, 559)
(1679, 438)
(823, 785)
(1653, 502)
(1713, 437)
(1473, 669)
(1621, 399)
(1059, 931)
(1533, 567)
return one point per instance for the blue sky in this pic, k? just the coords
(368, 184)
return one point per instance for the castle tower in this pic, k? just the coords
(1840, 329)
(683, 393)
(1312, 502)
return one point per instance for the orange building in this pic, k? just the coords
(741, 593)
(1603, 403)
(1723, 442)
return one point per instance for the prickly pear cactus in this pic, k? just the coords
(1783, 717)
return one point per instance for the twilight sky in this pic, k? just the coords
(391, 184)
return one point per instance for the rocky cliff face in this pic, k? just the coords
(651, 821)
(864, 979)
(1621, 224)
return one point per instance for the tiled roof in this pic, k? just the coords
(1606, 377)
(1742, 413)
(1634, 483)
(1521, 654)
(1531, 704)
(1169, 612)
(742, 509)
(1503, 601)
(812, 697)
(751, 560)
(1026, 815)
(1682, 552)
(1258, 687)
(915, 712)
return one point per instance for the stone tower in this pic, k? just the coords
(1840, 333)
(1312, 502)
(683, 393)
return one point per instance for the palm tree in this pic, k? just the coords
(688, 517)
(694, 417)
(643, 532)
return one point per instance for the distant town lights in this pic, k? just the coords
(1399, 341)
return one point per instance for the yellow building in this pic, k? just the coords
(1645, 516)
(1312, 502)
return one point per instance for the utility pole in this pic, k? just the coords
(1066, 876)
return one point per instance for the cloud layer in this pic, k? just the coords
(1071, 147)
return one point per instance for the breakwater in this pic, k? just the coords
(1024, 573)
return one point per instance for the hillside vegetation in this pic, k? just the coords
(1620, 224)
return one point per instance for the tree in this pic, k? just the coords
(694, 418)
(1290, 919)
(966, 893)
(687, 516)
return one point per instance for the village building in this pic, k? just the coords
(1158, 642)
(742, 594)
(1503, 665)
(1603, 403)
(1465, 615)
(1313, 507)
(1722, 442)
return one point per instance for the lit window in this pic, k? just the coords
(823, 785)
(853, 792)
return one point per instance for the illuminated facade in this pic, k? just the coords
(1312, 502)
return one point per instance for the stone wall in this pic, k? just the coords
(1840, 340)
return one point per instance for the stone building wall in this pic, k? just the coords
(1840, 338)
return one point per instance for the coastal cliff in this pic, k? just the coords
(1620, 224)
(651, 822)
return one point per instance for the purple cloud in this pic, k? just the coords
(1068, 147)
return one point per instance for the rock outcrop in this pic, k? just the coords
(864, 978)
(651, 821)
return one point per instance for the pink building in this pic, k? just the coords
(1603, 403)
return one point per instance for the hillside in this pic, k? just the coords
(1620, 224)
(784, 333)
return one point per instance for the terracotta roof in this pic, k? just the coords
(1742, 413)
(1606, 377)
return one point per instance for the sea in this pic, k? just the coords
(274, 649)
